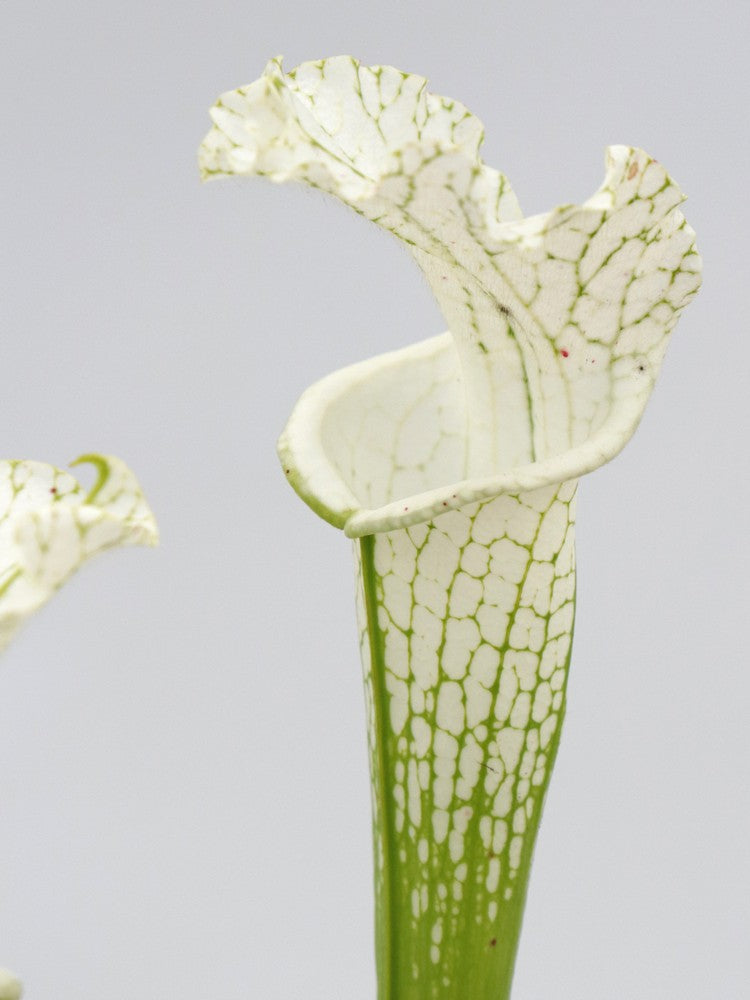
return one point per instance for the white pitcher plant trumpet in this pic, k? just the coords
(50, 524)
(454, 463)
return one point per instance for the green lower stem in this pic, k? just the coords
(456, 811)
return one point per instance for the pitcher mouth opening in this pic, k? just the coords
(381, 444)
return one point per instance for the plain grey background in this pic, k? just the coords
(183, 776)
